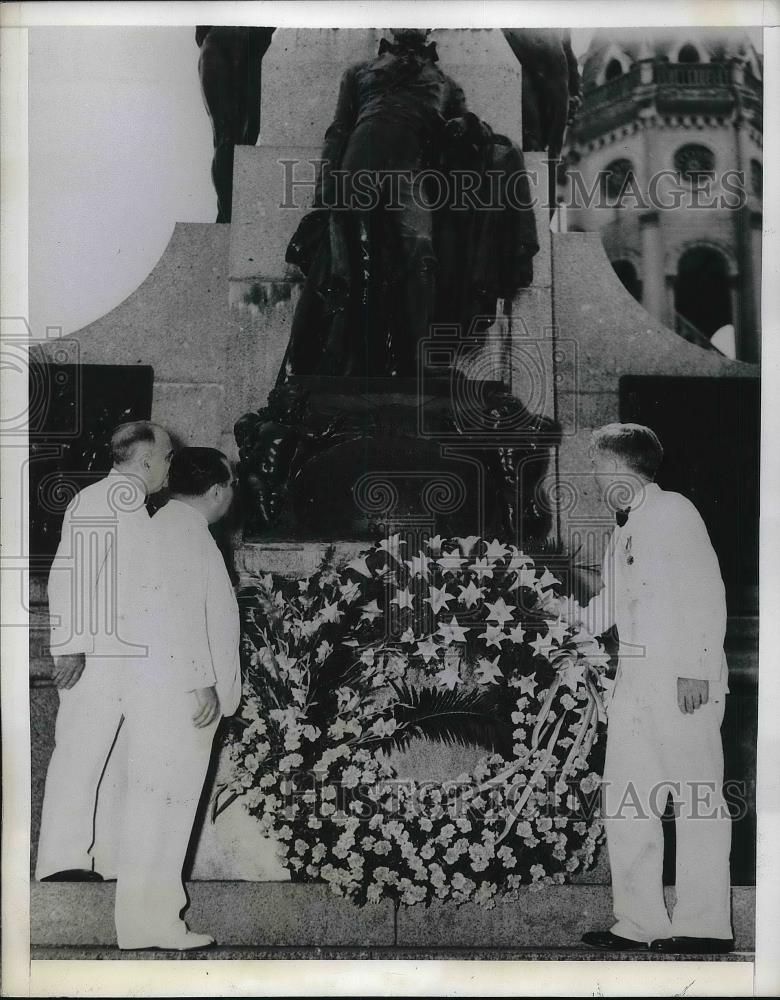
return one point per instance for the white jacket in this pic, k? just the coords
(96, 573)
(663, 589)
(193, 612)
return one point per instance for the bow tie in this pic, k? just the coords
(424, 51)
(621, 515)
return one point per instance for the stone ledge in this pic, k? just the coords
(387, 954)
(292, 559)
(274, 915)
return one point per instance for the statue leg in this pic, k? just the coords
(223, 77)
(556, 100)
(532, 113)
(417, 275)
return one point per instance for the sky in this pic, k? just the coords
(120, 150)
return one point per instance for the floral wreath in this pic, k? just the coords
(461, 642)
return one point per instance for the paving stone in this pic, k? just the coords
(236, 913)
(265, 915)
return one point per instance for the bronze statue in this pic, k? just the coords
(383, 261)
(230, 74)
(551, 85)
(373, 248)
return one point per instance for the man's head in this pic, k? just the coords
(410, 38)
(202, 478)
(624, 456)
(143, 449)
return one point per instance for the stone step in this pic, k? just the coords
(381, 954)
(285, 915)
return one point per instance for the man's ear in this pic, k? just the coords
(145, 458)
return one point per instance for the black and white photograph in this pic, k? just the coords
(384, 445)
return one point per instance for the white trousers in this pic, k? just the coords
(167, 762)
(88, 720)
(653, 749)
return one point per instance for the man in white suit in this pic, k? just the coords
(174, 700)
(663, 589)
(92, 606)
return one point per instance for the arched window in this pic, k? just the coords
(757, 178)
(613, 70)
(614, 180)
(688, 54)
(694, 163)
(701, 290)
(626, 271)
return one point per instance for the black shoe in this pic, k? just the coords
(693, 946)
(612, 942)
(73, 875)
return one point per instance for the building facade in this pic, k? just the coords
(665, 160)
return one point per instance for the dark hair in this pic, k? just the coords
(125, 437)
(194, 471)
(634, 444)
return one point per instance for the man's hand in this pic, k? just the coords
(68, 669)
(208, 707)
(692, 694)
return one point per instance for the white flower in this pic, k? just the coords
(447, 833)
(350, 776)
(350, 591)
(384, 727)
(290, 761)
(485, 893)
(537, 872)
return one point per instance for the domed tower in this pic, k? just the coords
(665, 159)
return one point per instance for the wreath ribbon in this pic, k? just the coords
(586, 733)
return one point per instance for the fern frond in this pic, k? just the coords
(439, 715)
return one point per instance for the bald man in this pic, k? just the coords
(93, 583)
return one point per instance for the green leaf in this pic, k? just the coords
(467, 718)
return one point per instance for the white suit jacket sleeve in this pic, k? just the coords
(223, 627)
(73, 582)
(181, 636)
